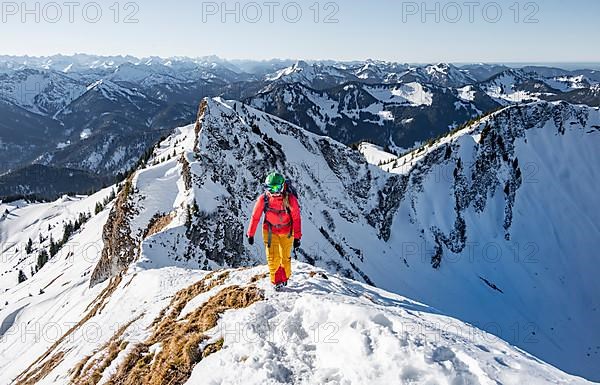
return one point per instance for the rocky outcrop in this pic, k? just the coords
(186, 172)
(198, 128)
(119, 245)
(388, 201)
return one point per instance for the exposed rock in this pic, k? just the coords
(119, 246)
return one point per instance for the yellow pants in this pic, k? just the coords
(279, 254)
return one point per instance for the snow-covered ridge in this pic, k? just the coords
(537, 115)
(112, 91)
(375, 154)
(42, 223)
(230, 325)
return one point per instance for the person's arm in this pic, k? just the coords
(257, 213)
(296, 217)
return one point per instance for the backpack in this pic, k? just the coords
(288, 189)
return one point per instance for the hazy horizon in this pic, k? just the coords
(233, 60)
(414, 32)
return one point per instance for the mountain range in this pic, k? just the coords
(99, 115)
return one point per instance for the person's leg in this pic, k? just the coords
(280, 274)
(273, 254)
(286, 243)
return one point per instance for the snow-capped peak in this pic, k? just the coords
(443, 68)
(447, 75)
(298, 68)
(113, 91)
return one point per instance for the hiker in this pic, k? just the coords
(282, 227)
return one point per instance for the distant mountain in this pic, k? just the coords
(518, 86)
(99, 114)
(63, 63)
(554, 72)
(445, 75)
(110, 127)
(481, 72)
(322, 76)
(512, 86)
(24, 136)
(41, 92)
(373, 71)
(588, 96)
(394, 115)
(317, 76)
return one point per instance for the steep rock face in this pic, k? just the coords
(487, 168)
(237, 145)
(119, 246)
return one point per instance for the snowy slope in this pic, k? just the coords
(505, 88)
(375, 154)
(41, 222)
(413, 94)
(231, 327)
(330, 330)
(38, 91)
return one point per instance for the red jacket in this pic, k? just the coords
(284, 219)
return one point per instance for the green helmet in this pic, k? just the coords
(275, 182)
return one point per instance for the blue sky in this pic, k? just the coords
(542, 31)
